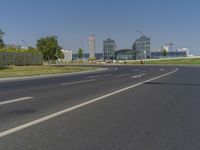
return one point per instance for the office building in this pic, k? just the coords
(124, 54)
(142, 48)
(184, 52)
(67, 55)
(109, 47)
(92, 40)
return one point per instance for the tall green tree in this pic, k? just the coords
(49, 47)
(164, 52)
(1, 38)
(80, 53)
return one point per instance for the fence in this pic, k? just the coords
(20, 58)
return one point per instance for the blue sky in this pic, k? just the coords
(165, 21)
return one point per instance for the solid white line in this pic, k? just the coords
(15, 100)
(43, 119)
(122, 75)
(78, 82)
(105, 75)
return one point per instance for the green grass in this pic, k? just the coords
(176, 61)
(183, 61)
(21, 71)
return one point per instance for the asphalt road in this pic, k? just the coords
(122, 108)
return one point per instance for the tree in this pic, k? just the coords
(1, 38)
(49, 48)
(164, 52)
(80, 53)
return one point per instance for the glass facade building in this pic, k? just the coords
(124, 54)
(142, 48)
(109, 48)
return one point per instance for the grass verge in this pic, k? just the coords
(182, 61)
(21, 71)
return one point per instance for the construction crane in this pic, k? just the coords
(169, 45)
(138, 31)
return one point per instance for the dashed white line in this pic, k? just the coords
(15, 100)
(122, 75)
(138, 76)
(105, 75)
(142, 72)
(43, 119)
(78, 82)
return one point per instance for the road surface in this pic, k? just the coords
(122, 108)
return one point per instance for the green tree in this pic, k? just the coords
(164, 52)
(60, 54)
(1, 38)
(80, 53)
(49, 48)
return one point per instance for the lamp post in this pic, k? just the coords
(25, 43)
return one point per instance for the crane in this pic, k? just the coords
(138, 31)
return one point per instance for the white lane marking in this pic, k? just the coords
(138, 76)
(142, 72)
(136, 70)
(78, 82)
(122, 75)
(43, 119)
(105, 75)
(15, 100)
(162, 69)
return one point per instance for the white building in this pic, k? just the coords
(67, 55)
(92, 40)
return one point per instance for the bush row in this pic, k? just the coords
(20, 57)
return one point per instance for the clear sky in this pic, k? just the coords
(165, 21)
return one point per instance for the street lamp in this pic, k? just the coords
(25, 43)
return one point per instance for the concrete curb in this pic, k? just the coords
(49, 75)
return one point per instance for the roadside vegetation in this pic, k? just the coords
(176, 61)
(179, 61)
(21, 71)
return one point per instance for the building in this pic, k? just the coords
(167, 47)
(98, 56)
(92, 40)
(142, 48)
(124, 54)
(170, 54)
(67, 55)
(109, 48)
